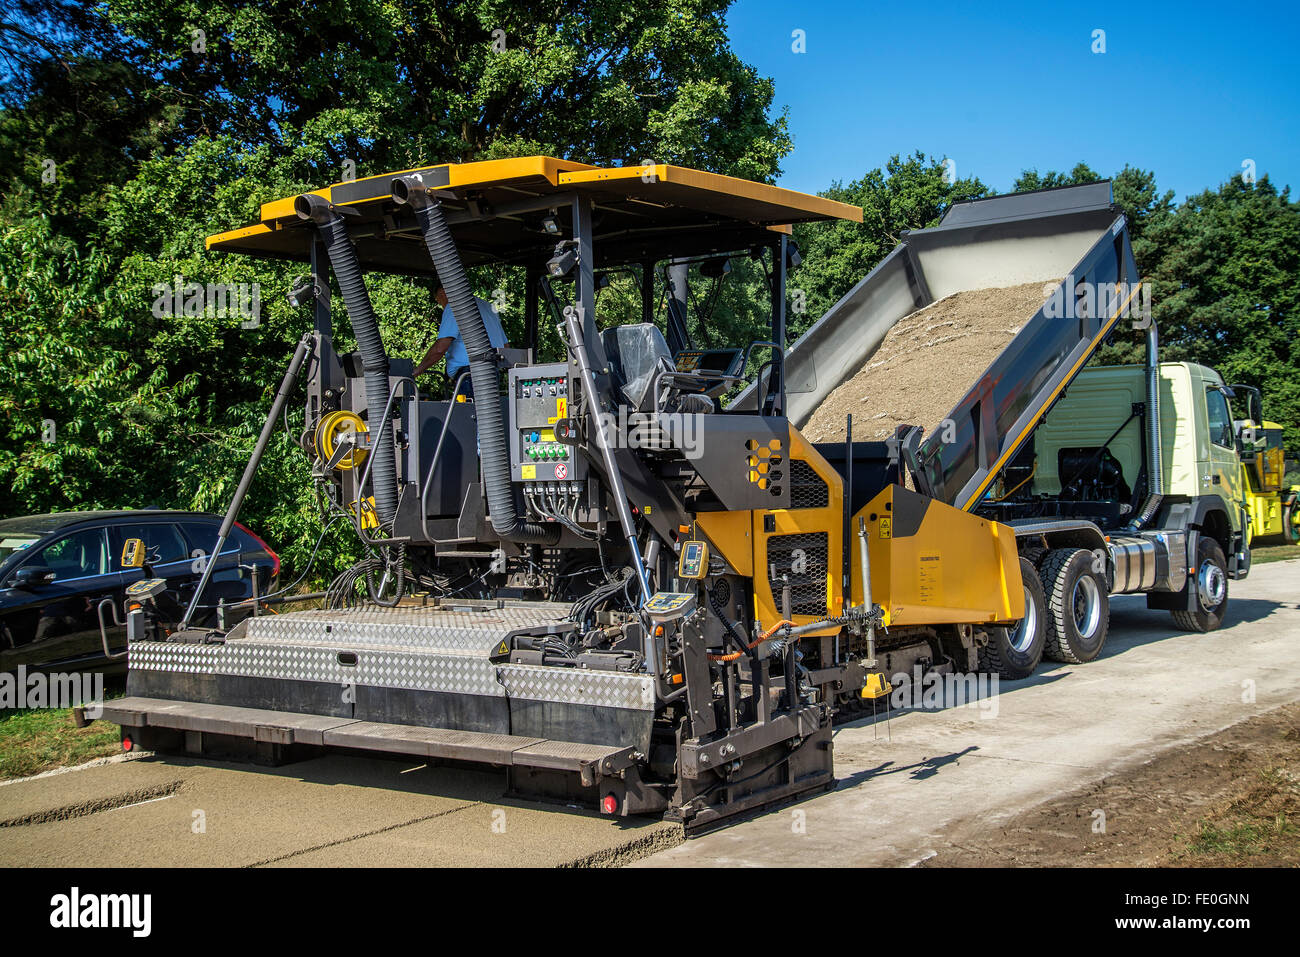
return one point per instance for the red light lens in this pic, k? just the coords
(275, 569)
(127, 743)
(609, 804)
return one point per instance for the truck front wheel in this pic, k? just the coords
(1015, 652)
(1078, 606)
(1211, 584)
(1291, 522)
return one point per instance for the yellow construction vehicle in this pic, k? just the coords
(1273, 506)
(592, 574)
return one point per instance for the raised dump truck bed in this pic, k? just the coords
(1149, 500)
(1074, 232)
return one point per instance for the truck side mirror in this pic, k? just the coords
(34, 576)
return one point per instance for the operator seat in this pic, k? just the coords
(636, 353)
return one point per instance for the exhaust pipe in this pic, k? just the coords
(410, 190)
(1155, 457)
(343, 260)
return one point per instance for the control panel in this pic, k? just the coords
(694, 560)
(666, 606)
(539, 398)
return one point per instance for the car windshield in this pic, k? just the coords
(11, 542)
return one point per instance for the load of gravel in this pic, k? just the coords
(926, 363)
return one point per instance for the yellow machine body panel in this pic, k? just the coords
(932, 564)
(1263, 483)
(802, 544)
(732, 534)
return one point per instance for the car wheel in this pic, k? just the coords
(1015, 652)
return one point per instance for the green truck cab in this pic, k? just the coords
(1203, 481)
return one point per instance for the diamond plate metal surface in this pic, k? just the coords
(378, 668)
(607, 689)
(417, 648)
(434, 629)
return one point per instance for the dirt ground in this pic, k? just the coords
(1230, 800)
(927, 363)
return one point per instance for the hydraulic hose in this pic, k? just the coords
(493, 450)
(347, 268)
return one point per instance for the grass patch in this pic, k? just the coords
(32, 741)
(1260, 826)
(1273, 553)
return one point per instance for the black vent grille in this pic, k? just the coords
(810, 553)
(807, 489)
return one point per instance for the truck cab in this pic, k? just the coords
(1090, 451)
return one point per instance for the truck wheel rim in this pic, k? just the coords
(1212, 584)
(1022, 634)
(1087, 606)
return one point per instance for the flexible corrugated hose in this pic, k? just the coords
(347, 269)
(482, 367)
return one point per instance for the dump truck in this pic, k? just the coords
(1273, 506)
(1135, 466)
(591, 570)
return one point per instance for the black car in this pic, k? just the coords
(55, 570)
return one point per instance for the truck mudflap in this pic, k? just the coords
(441, 668)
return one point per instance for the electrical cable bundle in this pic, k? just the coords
(586, 606)
(552, 505)
(342, 592)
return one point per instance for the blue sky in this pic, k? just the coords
(1188, 90)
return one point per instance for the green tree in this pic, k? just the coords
(1224, 268)
(183, 135)
(909, 193)
(1227, 291)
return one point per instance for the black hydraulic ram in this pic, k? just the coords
(232, 511)
(493, 450)
(573, 326)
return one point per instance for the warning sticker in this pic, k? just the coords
(931, 579)
(529, 471)
(561, 470)
(886, 527)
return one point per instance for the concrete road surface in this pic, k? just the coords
(908, 788)
(913, 789)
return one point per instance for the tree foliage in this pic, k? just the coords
(1224, 268)
(132, 129)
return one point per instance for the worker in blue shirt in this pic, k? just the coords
(450, 344)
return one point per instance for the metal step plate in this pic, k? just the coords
(288, 728)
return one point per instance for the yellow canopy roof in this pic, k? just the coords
(639, 212)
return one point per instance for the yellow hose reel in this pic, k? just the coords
(335, 437)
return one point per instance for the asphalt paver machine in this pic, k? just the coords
(588, 571)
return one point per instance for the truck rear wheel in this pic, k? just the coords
(1015, 652)
(1078, 606)
(1290, 516)
(1211, 584)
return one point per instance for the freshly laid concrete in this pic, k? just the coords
(918, 783)
(909, 786)
(172, 812)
